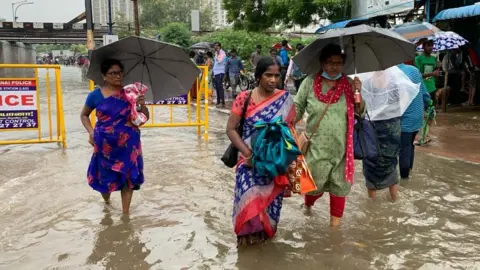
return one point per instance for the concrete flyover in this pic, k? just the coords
(48, 33)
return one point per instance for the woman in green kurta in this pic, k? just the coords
(330, 156)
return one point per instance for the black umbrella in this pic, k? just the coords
(164, 68)
(202, 46)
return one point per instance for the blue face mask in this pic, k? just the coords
(326, 76)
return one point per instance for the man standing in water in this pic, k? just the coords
(233, 69)
(219, 73)
(428, 66)
(285, 62)
(256, 56)
(412, 121)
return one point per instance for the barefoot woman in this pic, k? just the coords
(258, 199)
(117, 162)
(330, 157)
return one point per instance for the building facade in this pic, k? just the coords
(219, 15)
(119, 8)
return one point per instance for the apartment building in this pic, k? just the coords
(219, 14)
(100, 10)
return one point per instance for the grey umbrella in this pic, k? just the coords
(202, 46)
(367, 49)
(164, 68)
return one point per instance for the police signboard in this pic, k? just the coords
(18, 104)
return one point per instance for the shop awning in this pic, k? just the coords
(342, 24)
(458, 13)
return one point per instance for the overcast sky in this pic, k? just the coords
(57, 11)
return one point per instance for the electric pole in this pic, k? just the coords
(89, 15)
(110, 23)
(136, 18)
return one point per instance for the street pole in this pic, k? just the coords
(18, 4)
(90, 39)
(110, 24)
(136, 17)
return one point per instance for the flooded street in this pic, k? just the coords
(181, 218)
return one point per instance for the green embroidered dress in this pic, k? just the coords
(326, 156)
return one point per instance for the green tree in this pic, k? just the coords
(79, 49)
(123, 28)
(245, 42)
(177, 33)
(47, 48)
(258, 15)
(159, 13)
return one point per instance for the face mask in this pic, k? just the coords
(326, 76)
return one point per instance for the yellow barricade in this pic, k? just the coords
(21, 108)
(203, 94)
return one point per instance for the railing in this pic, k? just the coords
(184, 101)
(21, 108)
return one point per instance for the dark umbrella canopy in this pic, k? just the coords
(164, 68)
(367, 49)
(202, 46)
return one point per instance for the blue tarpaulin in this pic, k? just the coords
(458, 13)
(341, 24)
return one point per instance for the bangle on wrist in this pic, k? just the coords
(250, 157)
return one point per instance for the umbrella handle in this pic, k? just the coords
(354, 55)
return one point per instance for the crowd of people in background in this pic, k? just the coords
(227, 67)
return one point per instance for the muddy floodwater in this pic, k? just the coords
(181, 218)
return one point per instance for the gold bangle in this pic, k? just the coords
(250, 157)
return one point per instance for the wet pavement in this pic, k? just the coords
(456, 135)
(181, 218)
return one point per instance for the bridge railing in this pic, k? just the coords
(190, 103)
(27, 103)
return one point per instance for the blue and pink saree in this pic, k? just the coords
(258, 198)
(117, 160)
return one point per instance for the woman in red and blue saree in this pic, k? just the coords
(258, 198)
(117, 162)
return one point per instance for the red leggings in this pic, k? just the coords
(337, 204)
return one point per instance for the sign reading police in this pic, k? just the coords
(180, 100)
(18, 104)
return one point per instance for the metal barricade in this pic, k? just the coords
(21, 108)
(185, 101)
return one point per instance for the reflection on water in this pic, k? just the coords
(181, 218)
(117, 246)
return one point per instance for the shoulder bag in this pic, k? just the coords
(304, 139)
(230, 157)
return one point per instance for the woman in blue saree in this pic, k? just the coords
(117, 162)
(258, 198)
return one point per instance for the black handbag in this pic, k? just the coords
(230, 157)
(365, 140)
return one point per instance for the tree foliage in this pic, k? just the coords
(158, 13)
(245, 42)
(123, 27)
(258, 15)
(177, 33)
(79, 49)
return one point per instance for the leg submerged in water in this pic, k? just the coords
(126, 194)
(106, 197)
(393, 192)
(337, 206)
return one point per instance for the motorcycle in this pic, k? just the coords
(247, 81)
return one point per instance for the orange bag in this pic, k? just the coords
(301, 180)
